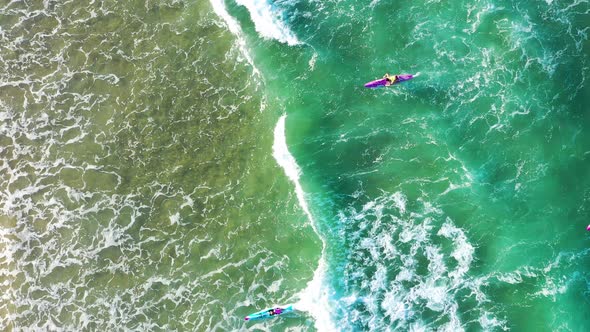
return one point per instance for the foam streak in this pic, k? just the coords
(312, 298)
(268, 23)
(234, 27)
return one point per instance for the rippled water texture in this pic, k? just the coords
(138, 188)
(177, 165)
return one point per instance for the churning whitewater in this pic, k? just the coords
(180, 165)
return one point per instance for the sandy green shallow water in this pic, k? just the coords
(143, 185)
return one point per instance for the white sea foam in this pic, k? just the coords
(312, 61)
(234, 27)
(287, 162)
(268, 21)
(463, 252)
(314, 298)
(390, 243)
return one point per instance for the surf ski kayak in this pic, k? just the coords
(383, 81)
(270, 312)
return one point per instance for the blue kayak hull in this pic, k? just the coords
(263, 314)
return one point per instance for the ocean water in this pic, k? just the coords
(177, 165)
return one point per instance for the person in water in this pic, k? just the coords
(390, 79)
(276, 311)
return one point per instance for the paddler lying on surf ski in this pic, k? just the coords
(272, 312)
(390, 79)
(276, 311)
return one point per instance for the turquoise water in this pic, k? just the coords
(176, 165)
